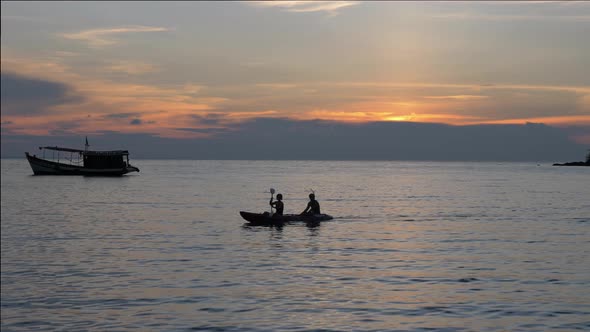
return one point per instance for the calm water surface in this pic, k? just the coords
(413, 247)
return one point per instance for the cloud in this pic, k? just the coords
(285, 139)
(98, 38)
(276, 85)
(557, 120)
(30, 96)
(114, 103)
(307, 6)
(206, 131)
(135, 122)
(62, 54)
(458, 97)
(511, 17)
(476, 87)
(562, 11)
(584, 103)
(121, 115)
(105, 103)
(131, 67)
(210, 119)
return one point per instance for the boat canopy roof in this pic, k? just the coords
(56, 148)
(88, 152)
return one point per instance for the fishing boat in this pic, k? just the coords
(81, 162)
(266, 219)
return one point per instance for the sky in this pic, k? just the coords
(193, 74)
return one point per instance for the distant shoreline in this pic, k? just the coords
(573, 163)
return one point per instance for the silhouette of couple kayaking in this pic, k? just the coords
(313, 206)
(311, 214)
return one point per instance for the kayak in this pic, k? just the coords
(276, 220)
(265, 219)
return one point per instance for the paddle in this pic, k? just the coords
(272, 193)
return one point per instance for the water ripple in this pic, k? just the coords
(413, 247)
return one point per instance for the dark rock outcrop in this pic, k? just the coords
(576, 163)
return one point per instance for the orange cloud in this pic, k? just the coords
(131, 67)
(458, 97)
(97, 38)
(473, 87)
(162, 109)
(550, 120)
(352, 116)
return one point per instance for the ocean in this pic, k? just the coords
(414, 246)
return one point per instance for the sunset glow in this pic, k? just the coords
(163, 76)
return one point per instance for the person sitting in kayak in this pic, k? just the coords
(313, 206)
(278, 204)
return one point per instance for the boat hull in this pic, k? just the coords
(46, 167)
(265, 219)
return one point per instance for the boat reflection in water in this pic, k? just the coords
(81, 162)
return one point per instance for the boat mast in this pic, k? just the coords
(86, 145)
